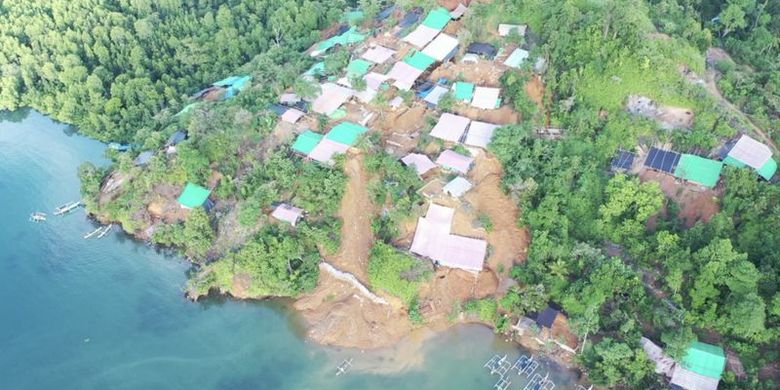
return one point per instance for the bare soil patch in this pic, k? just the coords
(484, 73)
(696, 204)
(448, 289)
(535, 90)
(356, 211)
(338, 315)
(241, 283)
(162, 204)
(508, 242)
(504, 115)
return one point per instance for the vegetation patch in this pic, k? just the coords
(396, 272)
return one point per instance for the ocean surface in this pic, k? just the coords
(110, 313)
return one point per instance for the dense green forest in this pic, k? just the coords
(112, 67)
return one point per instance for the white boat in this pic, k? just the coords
(105, 231)
(38, 216)
(66, 208)
(92, 233)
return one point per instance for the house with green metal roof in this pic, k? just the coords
(347, 37)
(701, 368)
(705, 359)
(193, 196)
(346, 133)
(358, 68)
(355, 17)
(226, 82)
(464, 91)
(306, 141)
(748, 152)
(699, 170)
(437, 18)
(419, 60)
(317, 69)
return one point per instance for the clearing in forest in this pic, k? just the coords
(696, 204)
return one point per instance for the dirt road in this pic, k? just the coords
(712, 87)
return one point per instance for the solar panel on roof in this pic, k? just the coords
(662, 160)
(623, 160)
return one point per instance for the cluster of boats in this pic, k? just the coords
(63, 209)
(525, 366)
(66, 208)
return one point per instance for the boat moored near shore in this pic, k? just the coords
(67, 207)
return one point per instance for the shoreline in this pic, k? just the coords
(388, 334)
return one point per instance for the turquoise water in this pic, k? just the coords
(110, 313)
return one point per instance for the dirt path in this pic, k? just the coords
(712, 87)
(356, 211)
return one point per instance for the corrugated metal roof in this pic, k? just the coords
(455, 161)
(690, 380)
(699, 170)
(623, 160)
(306, 142)
(442, 47)
(457, 187)
(287, 213)
(346, 133)
(421, 36)
(450, 127)
(420, 162)
(420, 60)
(458, 11)
(506, 29)
(486, 98)
(464, 91)
(437, 18)
(516, 58)
(193, 195)
(292, 115)
(358, 67)
(480, 134)
(705, 359)
(326, 149)
(751, 152)
(378, 54)
(432, 239)
(332, 97)
(404, 75)
(435, 95)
